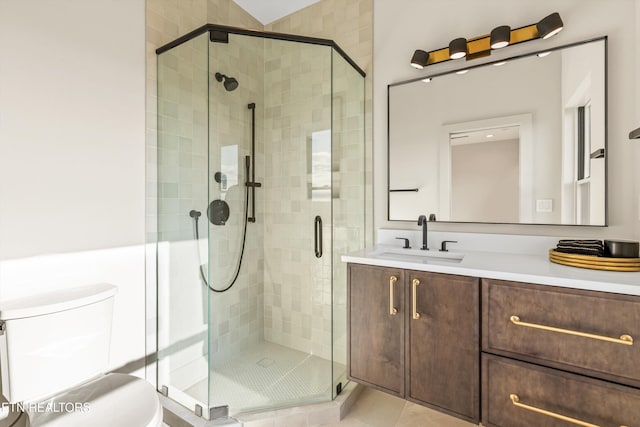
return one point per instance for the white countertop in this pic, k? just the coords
(505, 266)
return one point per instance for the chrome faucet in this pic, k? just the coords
(422, 220)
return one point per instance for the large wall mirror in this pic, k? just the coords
(517, 141)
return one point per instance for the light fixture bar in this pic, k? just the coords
(480, 46)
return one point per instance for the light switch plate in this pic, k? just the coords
(544, 205)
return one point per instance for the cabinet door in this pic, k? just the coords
(443, 343)
(376, 327)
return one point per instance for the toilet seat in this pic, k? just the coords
(107, 401)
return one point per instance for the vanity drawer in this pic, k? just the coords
(570, 329)
(518, 394)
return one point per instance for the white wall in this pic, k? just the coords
(485, 180)
(584, 19)
(72, 115)
(72, 153)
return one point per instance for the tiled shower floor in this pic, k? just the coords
(266, 376)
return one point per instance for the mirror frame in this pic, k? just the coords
(486, 64)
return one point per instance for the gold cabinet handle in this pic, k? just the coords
(516, 402)
(392, 310)
(415, 284)
(624, 339)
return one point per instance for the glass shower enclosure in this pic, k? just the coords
(261, 189)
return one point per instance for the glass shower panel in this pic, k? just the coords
(348, 184)
(236, 319)
(182, 178)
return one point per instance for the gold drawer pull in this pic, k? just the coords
(392, 310)
(415, 283)
(624, 339)
(516, 401)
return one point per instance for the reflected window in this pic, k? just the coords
(319, 166)
(584, 141)
(583, 162)
(228, 167)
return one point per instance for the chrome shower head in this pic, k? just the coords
(230, 83)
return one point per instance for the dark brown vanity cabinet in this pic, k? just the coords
(416, 335)
(556, 356)
(550, 356)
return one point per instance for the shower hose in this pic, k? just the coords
(196, 215)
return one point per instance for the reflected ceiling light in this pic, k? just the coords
(465, 71)
(419, 59)
(490, 135)
(458, 48)
(497, 64)
(500, 37)
(481, 46)
(427, 79)
(543, 54)
(550, 25)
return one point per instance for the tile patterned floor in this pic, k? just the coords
(376, 409)
(265, 376)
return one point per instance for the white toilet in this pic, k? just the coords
(54, 350)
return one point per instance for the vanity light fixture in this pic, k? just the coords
(482, 46)
(500, 37)
(458, 48)
(550, 25)
(420, 59)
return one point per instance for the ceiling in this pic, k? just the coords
(267, 11)
(486, 135)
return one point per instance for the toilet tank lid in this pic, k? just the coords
(55, 301)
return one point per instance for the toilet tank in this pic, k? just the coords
(53, 341)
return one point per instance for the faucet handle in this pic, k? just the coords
(406, 242)
(443, 246)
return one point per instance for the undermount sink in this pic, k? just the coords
(383, 251)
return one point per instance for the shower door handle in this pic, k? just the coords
(318, 236)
